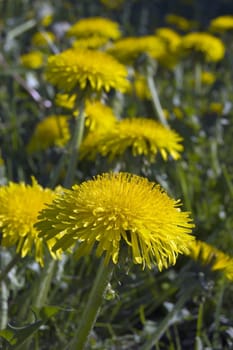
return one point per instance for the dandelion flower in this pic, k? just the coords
(43, 38)
(207, 78)
(127, 50)
(112, 4)
(141, 136)
(20, 205)
(95, 26)
(52, 131)
(114, 211)
(209, 255)
(32, 60)
(93, 42)
(221, 24)
(179, 22)
(170, 37)
(66, 100)
(99, 116)
(208, 47)
(72, 69)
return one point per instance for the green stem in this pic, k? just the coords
(197, 72)
(155, 97)
(9, 266)
(45, 284)
(75, 145)
(92, 307)
(4, 295)
(199, 325)
(216, 339)
(165, 324)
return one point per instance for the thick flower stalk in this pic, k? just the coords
(74, 69)
(116, 211)
(20, 205)
(141, 136)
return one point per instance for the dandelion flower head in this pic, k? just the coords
(128, 49)
(42, 39)
(179, 22)
(142, 136)
(208, 78)
(20, 205)
(170, 37)
(112, 4)
(221, 24)
(95, 26)
(98, 116)
(66, 101)
(52, 131)
(32, 60)
(208, 47)
(86, 68)
(114, 211)
(93, 42)
(215, 258)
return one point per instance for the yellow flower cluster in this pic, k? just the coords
(42, 39)
(221, 24)
(20, 205)
(95, 26)
(99, 117)
(118, 211)
(32, 60)
(209, 255)
(128, 49)
(142, 136)
(179, 22)
(203, 46)
(86, 68)
(51, 131)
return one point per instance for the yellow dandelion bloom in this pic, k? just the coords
(46, 20)
(207, 78)
(115, 211)
(178, 112)
(99, 116)
(112, 4)
(43, 38)
(170, 37)
(221, 24)
(52, 131)
(93, 42)
(95, 26)
(20, 205)
(178, 21)
(216, 107)
(127, 50)
(209, 255)
(141, 136)
(32, 60)
(65, 100)
(203, 44)
(82, 68)
(140, 87)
